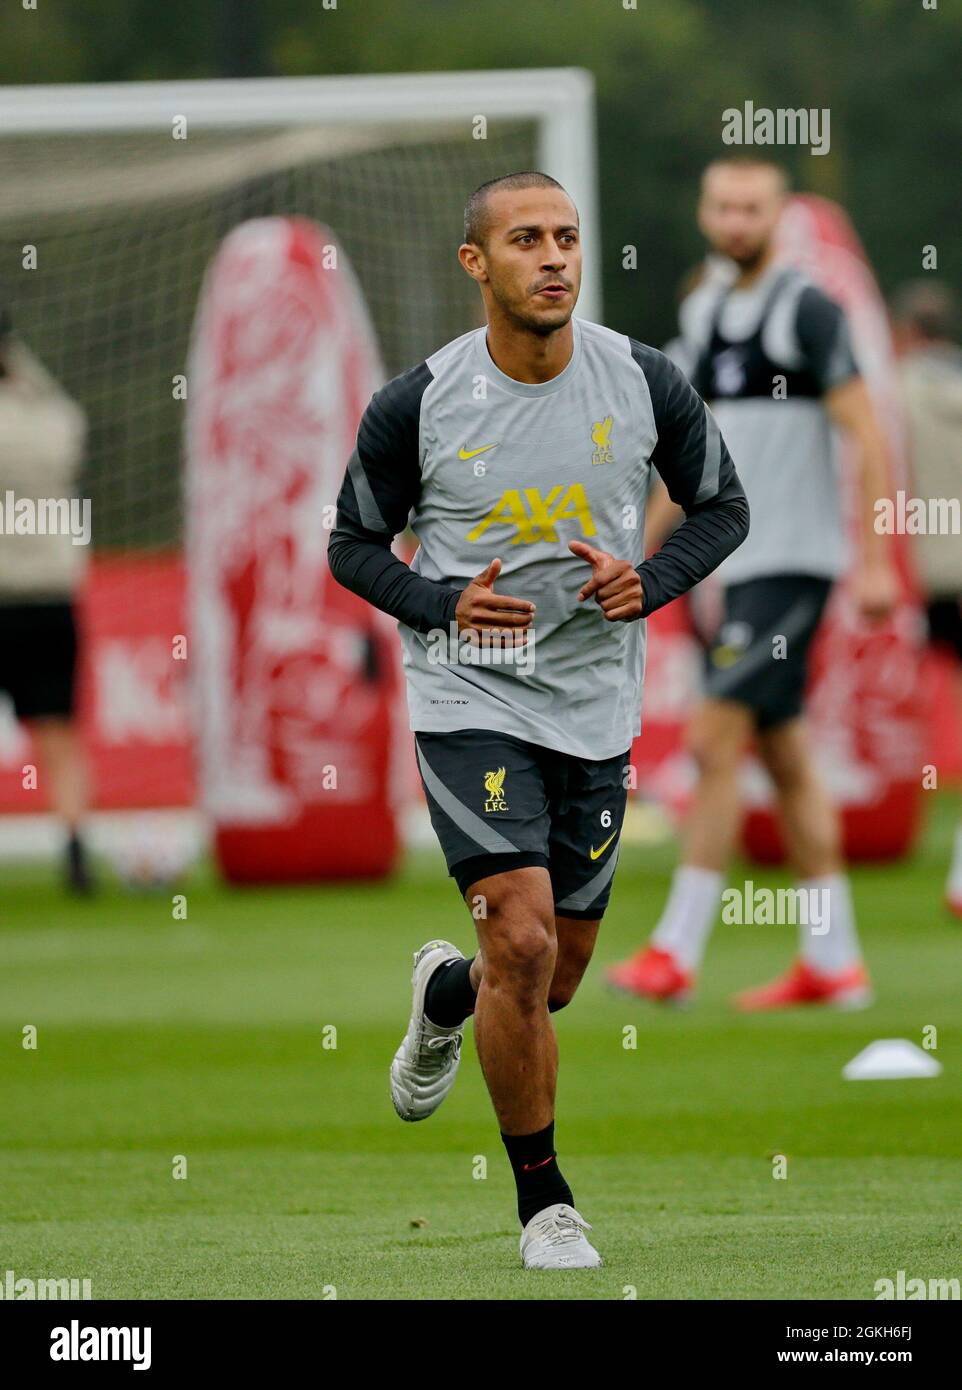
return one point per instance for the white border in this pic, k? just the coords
(561, 100)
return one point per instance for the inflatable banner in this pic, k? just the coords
(297, 681)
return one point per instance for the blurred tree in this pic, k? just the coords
(243, 31)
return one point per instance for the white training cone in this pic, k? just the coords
(891, 1059)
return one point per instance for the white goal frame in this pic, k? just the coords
(561, 102)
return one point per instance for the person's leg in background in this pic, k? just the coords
(953, 884)
(830, 959)
(666, 968)
(945, 633)
(59, 749)
(42, 683)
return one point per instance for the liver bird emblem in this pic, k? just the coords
(494, 783)
(600, 432)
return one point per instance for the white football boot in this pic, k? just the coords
(426, 1063)
(555, 1239)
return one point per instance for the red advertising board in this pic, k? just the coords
(132, 691)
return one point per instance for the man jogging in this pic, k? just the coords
(522, 452)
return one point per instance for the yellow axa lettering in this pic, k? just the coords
(534, 516)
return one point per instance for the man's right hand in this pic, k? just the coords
(481, 610)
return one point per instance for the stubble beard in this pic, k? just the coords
(531, 323)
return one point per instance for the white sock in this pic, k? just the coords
(953, 887)
(689, 914)
(836, 949)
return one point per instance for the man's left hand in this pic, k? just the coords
(615, 584)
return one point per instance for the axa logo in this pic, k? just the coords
(534, 517)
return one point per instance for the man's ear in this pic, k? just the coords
(472, 259)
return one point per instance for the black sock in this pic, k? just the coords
(450, 997)
(78, 875)
(536, 1172)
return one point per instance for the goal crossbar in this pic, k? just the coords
(560, 101)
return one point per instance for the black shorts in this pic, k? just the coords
(499, 803)
(945, 624)
(759, 656)
(38, 658)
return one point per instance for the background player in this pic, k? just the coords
(532, 440)
(41, 443)
(771, 354)
(925, 324)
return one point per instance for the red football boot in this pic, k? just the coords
(652, 974)
(803, 984)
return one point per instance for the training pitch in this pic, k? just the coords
(206, 1047)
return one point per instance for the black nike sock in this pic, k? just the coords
(536, 1172)
(450, 997)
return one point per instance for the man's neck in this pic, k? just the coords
(531, 358)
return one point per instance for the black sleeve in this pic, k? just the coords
(382, 484)
(696, 468)
(823, 336)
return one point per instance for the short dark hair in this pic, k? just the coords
(744, 159)
(476, 217)
(930, 306)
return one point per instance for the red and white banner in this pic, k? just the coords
(298, 681)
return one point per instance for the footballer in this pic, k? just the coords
(771, 352)
(522, 452)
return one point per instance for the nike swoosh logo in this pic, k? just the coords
(530, 1167)
(597, 853)
(473, 453)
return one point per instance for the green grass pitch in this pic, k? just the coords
(206, 1038)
